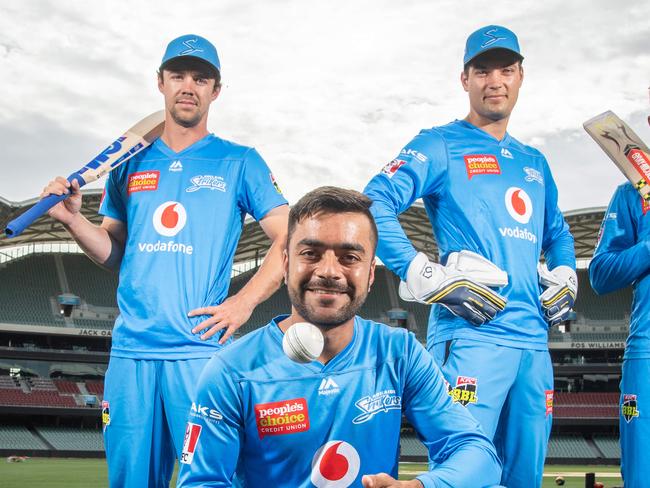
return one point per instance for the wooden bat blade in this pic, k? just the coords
(624, 147)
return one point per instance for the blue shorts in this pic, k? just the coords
(510, 392)
(634, 422)
(145, 408)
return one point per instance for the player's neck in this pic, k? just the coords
(335, 339)
(178, 137)
(496, 128)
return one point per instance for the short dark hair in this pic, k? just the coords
(331, 200)
(188, 63)
(508, 56)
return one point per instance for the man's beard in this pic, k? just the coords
(187, 123)
(336, 317)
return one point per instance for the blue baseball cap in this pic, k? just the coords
(488, 38)
(191, 46)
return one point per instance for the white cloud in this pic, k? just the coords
(327, 91)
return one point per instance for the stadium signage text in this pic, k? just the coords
(95, 332)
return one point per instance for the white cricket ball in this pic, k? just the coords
(303, 342)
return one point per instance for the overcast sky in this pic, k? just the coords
(327, 91)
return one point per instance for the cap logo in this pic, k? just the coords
(191, 49)
(491, 38)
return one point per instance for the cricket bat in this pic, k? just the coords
(122, 149)
(624, 147)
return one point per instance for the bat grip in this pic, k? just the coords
(20, 223)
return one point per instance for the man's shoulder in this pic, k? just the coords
(383, 337)
(525, 148)
(226, 148)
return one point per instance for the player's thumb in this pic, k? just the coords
(368, 481)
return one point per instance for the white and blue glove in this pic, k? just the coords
(561, 289)
(461, 286)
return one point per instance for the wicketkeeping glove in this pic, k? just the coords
(561, 289)
(456, 286)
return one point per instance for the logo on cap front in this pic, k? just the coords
(335, 465)
(491, 38)
(169, 218)
(518, 204)
(191, 48)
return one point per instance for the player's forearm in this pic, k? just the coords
(96, 242)
(468, 467)
(268, 277)
(609, 271)
(394, 248)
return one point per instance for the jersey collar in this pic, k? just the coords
(503, 142)
(165, 149)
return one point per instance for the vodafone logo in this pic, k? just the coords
(335, 465)
(169, 218)
(518, 204)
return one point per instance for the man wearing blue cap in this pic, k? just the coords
(173, 215)
(492, 203)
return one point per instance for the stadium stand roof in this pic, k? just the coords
(253, 244)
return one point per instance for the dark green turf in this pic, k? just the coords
(91, 473)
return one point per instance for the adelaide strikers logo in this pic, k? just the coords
(335, 465)
(169, 218)
(519, 204)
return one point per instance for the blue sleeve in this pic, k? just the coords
(557, 241)
(260, 192)
(619, 259)
(419, 170)
(113, 203)
(218, 414)
(460, 452)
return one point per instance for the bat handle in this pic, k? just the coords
(20, 223)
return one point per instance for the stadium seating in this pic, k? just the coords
(70, 439)
(67, 387)
(42, 398)
(608, 445)
(26, 288)
(95, 388)
(93, 284)
(586, 405)
(592, 307)
(19, 437)
(570, 447)
(411, 446)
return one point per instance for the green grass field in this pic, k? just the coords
(91, 473)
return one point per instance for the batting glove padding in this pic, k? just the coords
(561, 290)
(428, 282)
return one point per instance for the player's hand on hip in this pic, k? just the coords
(561, 289)
(65, 211)
(383, 480)
(428, 282)
(229, 315)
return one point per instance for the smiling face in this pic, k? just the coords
(492, 82)
(188, 93)
(329, 266)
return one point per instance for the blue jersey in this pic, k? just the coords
(495, 198)
(184, 214)
(306, 425)
(622, 258)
